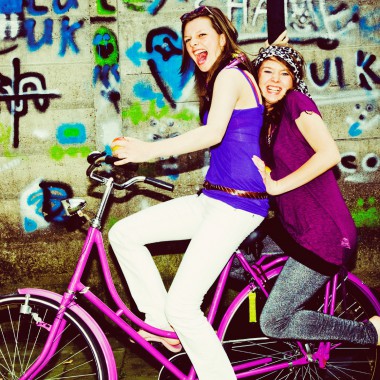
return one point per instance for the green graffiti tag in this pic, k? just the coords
(106, 50)
(366, 216)
(57, 152)
(136, 114)
(5, 138)
(104, 8)
(135, 5)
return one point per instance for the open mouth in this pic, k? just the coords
(105, 51)
(273, 89)
(201, 57)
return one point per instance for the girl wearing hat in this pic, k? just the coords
(315, 228)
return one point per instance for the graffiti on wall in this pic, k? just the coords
(307, 21)
(162, 123)
(106, 70)
(333, 69)
(71, 138)
(151, 7)
(163, 55)
(158, 99)
(40, 204)
(365, 117)
(366, 213)
(359, 170)
(20, 21)
(18, 90)
(104, 8)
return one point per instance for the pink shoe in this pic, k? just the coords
(172, 345)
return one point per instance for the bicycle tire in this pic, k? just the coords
(181, 361)
(78, 355)
(244, 341)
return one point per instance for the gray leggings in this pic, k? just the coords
(284, 316)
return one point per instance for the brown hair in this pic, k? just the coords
(273, 114)
(204, 82)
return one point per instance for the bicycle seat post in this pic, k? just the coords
(97, 221)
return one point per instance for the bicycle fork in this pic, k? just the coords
(55, 333)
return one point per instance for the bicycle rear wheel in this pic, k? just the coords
(244, 342)
(78, 355)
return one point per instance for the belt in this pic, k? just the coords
(240, 193)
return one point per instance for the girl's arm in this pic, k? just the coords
(325, 157)
(227, 91)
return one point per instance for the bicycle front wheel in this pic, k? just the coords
(78, 355)
(250, 350)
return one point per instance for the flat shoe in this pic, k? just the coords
(172, 345)
(375, 320)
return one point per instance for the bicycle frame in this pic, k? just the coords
(94, 237)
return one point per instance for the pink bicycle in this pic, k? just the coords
(44, 335)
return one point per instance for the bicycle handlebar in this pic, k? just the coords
(158, 183)
(95, 159)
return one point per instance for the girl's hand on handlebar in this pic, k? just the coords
(272, 187)
(129, 149)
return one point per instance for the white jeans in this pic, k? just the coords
(216, 230)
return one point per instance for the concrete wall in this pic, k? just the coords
(75, 74)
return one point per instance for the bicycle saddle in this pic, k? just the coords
(254, 238)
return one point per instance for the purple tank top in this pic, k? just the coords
(231, 160)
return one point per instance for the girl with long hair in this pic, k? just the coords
(313, 224)
(232, 203)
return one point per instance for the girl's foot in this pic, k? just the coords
(375, 320)
(172, 345)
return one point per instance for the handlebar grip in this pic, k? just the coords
(93, 156)
(110, 159)
(130, 166)
(158, 183)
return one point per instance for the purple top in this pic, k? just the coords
(315, 214)
(231, 160)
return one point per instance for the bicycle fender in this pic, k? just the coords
(87, 319)
(366, 290)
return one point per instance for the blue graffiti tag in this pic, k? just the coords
(61, 9)
(45, 204)
(145, 91)
(53, 194)
(10, 6)
(164, 58)
(135, 55)
(67, 33)
(71, 133)
(46, 38)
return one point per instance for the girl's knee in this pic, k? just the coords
(270, 324)
(264, 322)
(120, 232)
(180, 314)
(265, 327)
(114, 233)
(124, 241)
